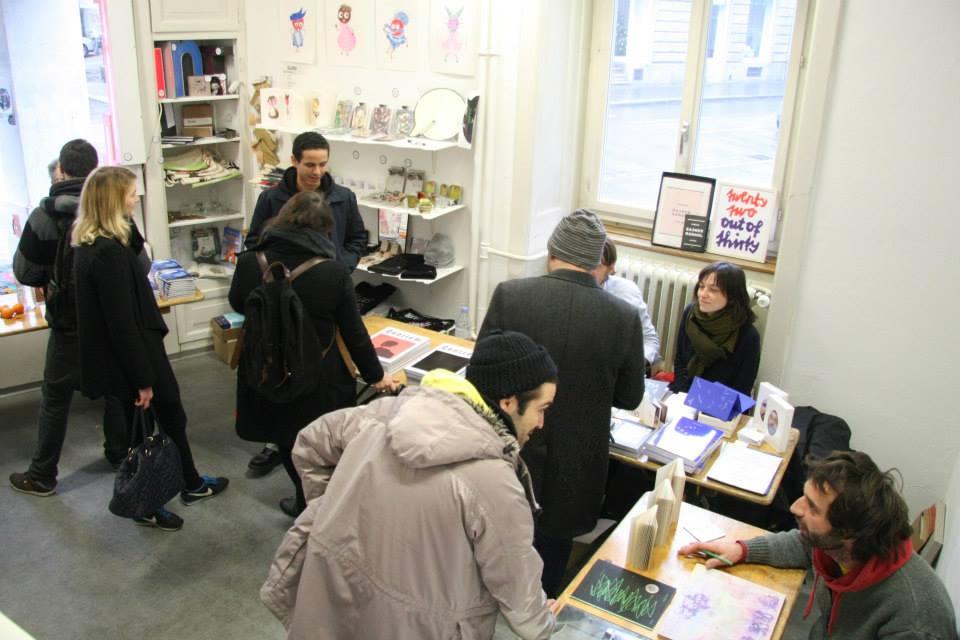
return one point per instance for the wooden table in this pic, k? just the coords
(376, 323)
(33, 320)
(670, 568)
(700, 478)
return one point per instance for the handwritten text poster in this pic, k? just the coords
(741, 222)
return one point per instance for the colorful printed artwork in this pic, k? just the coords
(349, 27)
(298, 26)
(713, 603)
(400, 27)
(454, 29)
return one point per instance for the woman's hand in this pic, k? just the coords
(144, 396)
(728, 549)
(386, 383)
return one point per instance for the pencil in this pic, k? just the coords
(703, 553)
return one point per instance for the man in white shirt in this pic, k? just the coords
(628, 291)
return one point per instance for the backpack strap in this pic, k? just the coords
(303, 266)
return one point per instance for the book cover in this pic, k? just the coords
(167, 50)
(206, 244)
(624, 594)
(396, 347)
(158, 70)
(447, 356)
(574, 623)
(232, 244)
(742, 222)
(683, 211)
(685, 438)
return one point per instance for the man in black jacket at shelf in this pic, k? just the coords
(44, 259)
(308, 172)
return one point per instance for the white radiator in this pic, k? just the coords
(667, 289)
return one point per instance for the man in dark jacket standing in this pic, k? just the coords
(45, 236)
(597, 342)
(308, 172)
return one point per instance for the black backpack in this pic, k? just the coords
(282, 354)
(61, 289)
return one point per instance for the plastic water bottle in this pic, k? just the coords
(462, 328)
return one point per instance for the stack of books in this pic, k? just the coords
(627, 435)
(684, 438)
(170, 280)
(397, 348)
(447, 356)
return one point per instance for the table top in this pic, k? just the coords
(33, 319)
(376, 323)
(700, 478)
(670, 568)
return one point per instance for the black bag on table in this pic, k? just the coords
(151, 474)
(417, 319)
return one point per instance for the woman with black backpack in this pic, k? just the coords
(291, 369)
(120, 328)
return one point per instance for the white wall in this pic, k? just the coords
(948, 566)
(871, 335)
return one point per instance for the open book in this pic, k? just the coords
(396, 348)
(447, 356)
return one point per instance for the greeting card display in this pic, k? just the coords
(742, 222)
(763, 393)
(683, 211)
(778, 422)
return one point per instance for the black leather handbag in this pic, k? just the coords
(151, 474)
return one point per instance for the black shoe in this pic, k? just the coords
(289, 507)
(25, 484)
(265, 461)
(161, 519)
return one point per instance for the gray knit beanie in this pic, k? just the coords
(507, 363)
(578, 239)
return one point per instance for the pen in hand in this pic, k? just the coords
(703, 553)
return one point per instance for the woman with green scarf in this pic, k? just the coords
(717, 340)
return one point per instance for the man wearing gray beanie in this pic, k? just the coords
(419, 518)
(596, 340)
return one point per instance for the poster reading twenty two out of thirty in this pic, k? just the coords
(742, 221)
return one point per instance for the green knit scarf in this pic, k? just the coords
(713, 337)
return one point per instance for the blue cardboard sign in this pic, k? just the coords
(717, 399)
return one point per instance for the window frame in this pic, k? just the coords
(598, 74)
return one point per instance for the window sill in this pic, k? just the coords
(629, 236)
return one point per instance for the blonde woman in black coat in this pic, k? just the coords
(301, 231)
(120, 329)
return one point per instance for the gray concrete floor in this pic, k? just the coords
(72, 570)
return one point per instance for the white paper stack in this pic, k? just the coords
(626, 432)
(397, 348)
(447, 356)
(684, 438)
(740, 466)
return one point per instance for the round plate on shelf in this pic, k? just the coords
(439, 114)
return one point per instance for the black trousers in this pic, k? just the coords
(286, 452)
(61, 377)
(555, 552)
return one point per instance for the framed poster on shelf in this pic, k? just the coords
(683, 211)
(742, 222)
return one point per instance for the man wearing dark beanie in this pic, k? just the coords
(419, 518)
(597, 342)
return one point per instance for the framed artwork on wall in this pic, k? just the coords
(683, 211)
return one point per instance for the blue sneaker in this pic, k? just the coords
(211, 486)
(161, 519)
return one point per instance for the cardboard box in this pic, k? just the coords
(197, 120)
(224, 341)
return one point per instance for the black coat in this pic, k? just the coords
(349, 234)
(738, 371)
(327, 295)
(119, 324)
(596, 340)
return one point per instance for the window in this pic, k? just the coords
(695, 86)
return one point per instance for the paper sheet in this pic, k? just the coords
(746, 468)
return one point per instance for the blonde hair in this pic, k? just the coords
(102, 208)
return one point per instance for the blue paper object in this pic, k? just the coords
(185, 52)
(717, 399)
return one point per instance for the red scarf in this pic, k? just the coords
(873, 571)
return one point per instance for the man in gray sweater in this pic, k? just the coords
(853, 530)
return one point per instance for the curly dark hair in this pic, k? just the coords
(868, 507)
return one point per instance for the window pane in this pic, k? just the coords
(643, 100)
(743, 102)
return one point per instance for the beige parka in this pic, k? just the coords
(416, 527)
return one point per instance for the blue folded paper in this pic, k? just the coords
(717, 399)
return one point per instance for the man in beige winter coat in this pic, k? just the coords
(419, 519)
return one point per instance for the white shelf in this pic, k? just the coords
(193, 222)
(189, 99)
(200, 143)
(433, 215)
(204, 183)
(419, 144)
(442, 273)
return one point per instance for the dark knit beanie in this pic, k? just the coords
(507, 363)
(578, 239)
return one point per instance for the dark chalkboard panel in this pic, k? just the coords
(624, 594)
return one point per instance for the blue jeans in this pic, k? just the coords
(61, 377)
